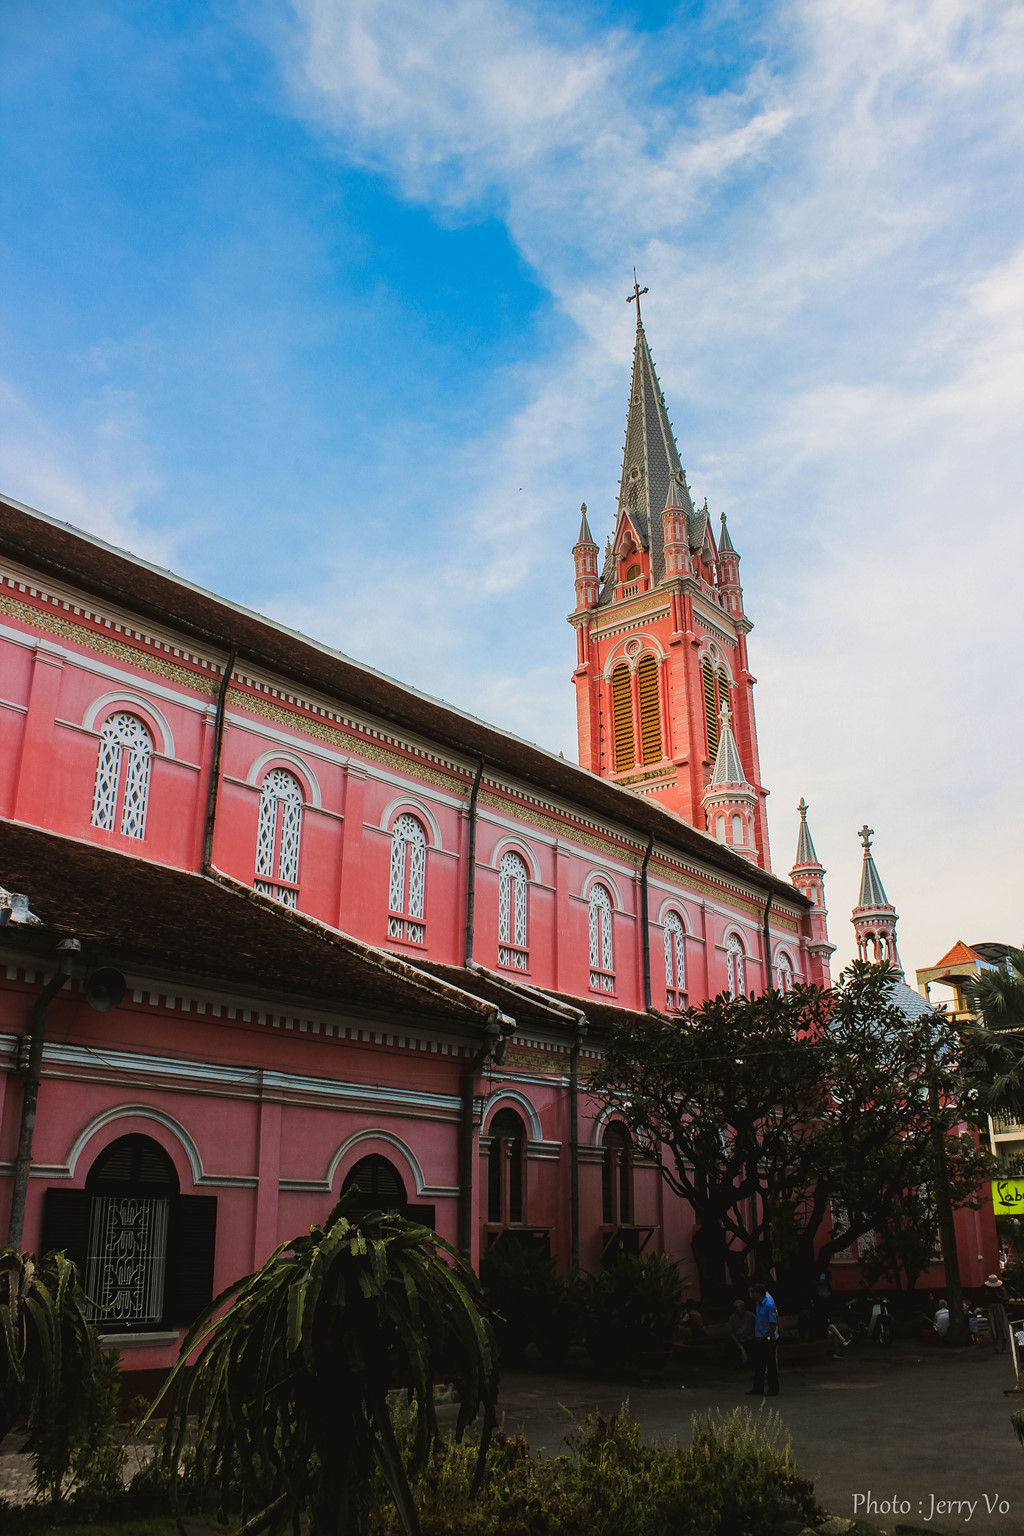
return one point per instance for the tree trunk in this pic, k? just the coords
(959, 1332)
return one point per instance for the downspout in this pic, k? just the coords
(218, 743)
(645, 927)
(471, 856)
(574, 1145)
(34, 1071)
(493, 1044)
(767, 941)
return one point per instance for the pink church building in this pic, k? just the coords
(282, 924)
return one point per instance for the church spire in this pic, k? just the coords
(730, 802)
(874, 917)
(805, 854)
(808, 875)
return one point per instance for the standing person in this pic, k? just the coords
(765, 1343)
(998, 1326)
(741, 1327)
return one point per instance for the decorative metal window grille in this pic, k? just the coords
(735, 967)
(512, 904)
(407, 892)
(650, 710)
(622, 718)
(675, 961)
(278, 837)
(122, 776)
(124, 1273)
(784, 973)
(602, 962)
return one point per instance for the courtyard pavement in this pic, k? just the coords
(910, 1423)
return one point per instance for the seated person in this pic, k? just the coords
(741, 1327)
(940, 1322)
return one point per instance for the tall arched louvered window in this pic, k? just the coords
(717, 694)
(650, 710)
(278, 837)
(512, 908)
(602, 959)
(407, 892)
(735, 967)
(121, 793)
(617, 1177)
(622, 718)
(505, 1158)
(675, 961)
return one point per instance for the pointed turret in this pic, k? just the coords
(729, 572)
(584, 553)
(725, 546)
(730, 802)
(808, 875)
(874, 917)
(675, 532)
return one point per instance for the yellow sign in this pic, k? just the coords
(1008, 1197)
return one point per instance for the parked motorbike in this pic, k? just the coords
(868, 1320)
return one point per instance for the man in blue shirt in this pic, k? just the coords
(765, 1343)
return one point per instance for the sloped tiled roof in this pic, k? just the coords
(960, 954)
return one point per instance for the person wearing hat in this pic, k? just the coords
(998, 1326)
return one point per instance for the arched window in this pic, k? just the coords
(622, 718)
(720, 828)
(278, 837)
(783, 972)
(737, 829)
(131, 1186)
(407, 893)
(735, 967)
(121, 793)
(512, 904)
(675, 961)
(617, 1177)
(602, 959)
(379, 1184)
(716, 694)
(505, 1159)
(650, 710)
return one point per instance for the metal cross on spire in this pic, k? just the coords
(865, 834)
(637, 291)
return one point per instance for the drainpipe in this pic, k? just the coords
(574, 1145)
(218, 743)
(767, 941)
(645, 928)
(34, 1071)
(471, 855)
(497, 1030)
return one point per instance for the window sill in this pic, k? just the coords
(128, 1340)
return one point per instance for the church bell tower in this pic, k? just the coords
(662, 675)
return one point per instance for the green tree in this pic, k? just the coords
(777, 1109)
(295, 1362)
(995, 1047)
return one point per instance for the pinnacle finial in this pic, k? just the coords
(635, 295)
(725, 719)
(865, 834)
(803, 808)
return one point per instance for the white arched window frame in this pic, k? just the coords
(278, 837)
(513, 901)
(735, 965)
(783, 972)
(602, 958)
(121, 793)
(407, 891)
(675, 960)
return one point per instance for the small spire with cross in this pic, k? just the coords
(865, 834)
(635, 295)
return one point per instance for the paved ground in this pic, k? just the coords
(917, 1425)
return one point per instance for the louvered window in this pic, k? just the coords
(735, 967)
(650, 711)
(622, 718)
(121, 793)
(675, 961)
(602, 960)
(278, 837)
(710, 709)
(406, 899)
(379, 1185)
(512, 903)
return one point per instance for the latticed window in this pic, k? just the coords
(650, 710)
(408, 880)
(278, 837)
(784, 972)
(675, 961)
(121, 794)
(716, 696)
(602, 960)
(617, 1177)
(131, 1187)
(512, 904)
(622, 718)
(735, 967)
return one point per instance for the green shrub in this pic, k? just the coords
(531, 1302)
(631, 1310)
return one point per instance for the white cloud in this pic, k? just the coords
(837, 299)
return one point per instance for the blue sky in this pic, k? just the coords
(322, 304)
